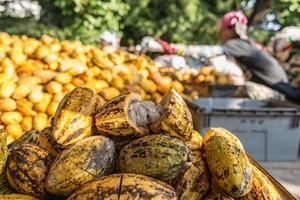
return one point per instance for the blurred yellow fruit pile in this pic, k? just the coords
(35, 75)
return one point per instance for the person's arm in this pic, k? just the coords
(198, 51)
(259, 63)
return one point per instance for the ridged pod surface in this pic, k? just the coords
(46, 141)
(87, 159)
(158, 156)
(112, 118)
(196, 141)
(125, 187)
(195, 181)
(3, 149)
(228, 162)
(176, 119)
(73, 118)
(29, 137)
(262, 188)
(5, 188)
(43, 139)
(218, 196)
(27, 169)
(16, 197)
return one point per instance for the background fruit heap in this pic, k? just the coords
(36, 74)
(94, 151)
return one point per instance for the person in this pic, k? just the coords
(263, 67)
(109, 41)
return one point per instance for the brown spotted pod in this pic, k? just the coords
(73, 118)
(262, 188)
(46, 141)
(3, 149)
(176, 119)
(195, 181)
(27, 168)
(227, 162)
(158, 156)
(125, 186)
(86, 160)
(218, 196)
(126, 116)
(17, 197)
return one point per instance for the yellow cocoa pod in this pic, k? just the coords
(12, 117)
(27, 168)
(46, 39)
(17, 55)
(117, 82)
(68, 172)
(3, 150)
(73, 119)
(211, 79)
(45, 75)
(125, 186)
(58, 97)
(63, 78)
(30, 80)
(164, 85)
(14, 130)
(148, 85)
(26, 123)
(21, 91)
(77, 82)
(7, 88)
(97, 85)
(25, 107)
(68, 88)
(54, 87)
(206, 70)
(223, 80)
(52, 108)
(195, 181)
(7, 105)
(262, 187)
(36, 94)
(41, 52)
(42, 105)
(87, 76)
(228, 162)
(16, 197)
(196, 142)
(40, 121)
(10, 139)
(174, 110)
(176, 85)
(95, 70)
(109, 93)
(156, 97)
(53, 66)
(105, 75)
(200, 79)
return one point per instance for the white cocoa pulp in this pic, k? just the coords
(144, 113)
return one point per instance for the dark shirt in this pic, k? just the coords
(263, 66)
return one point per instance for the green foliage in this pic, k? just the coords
(188, 21)
(83, 19)
(181, 21)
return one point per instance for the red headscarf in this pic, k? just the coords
(231, 18)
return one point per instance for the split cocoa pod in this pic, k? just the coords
(127, 115)
(73, 118)
(3, 149)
